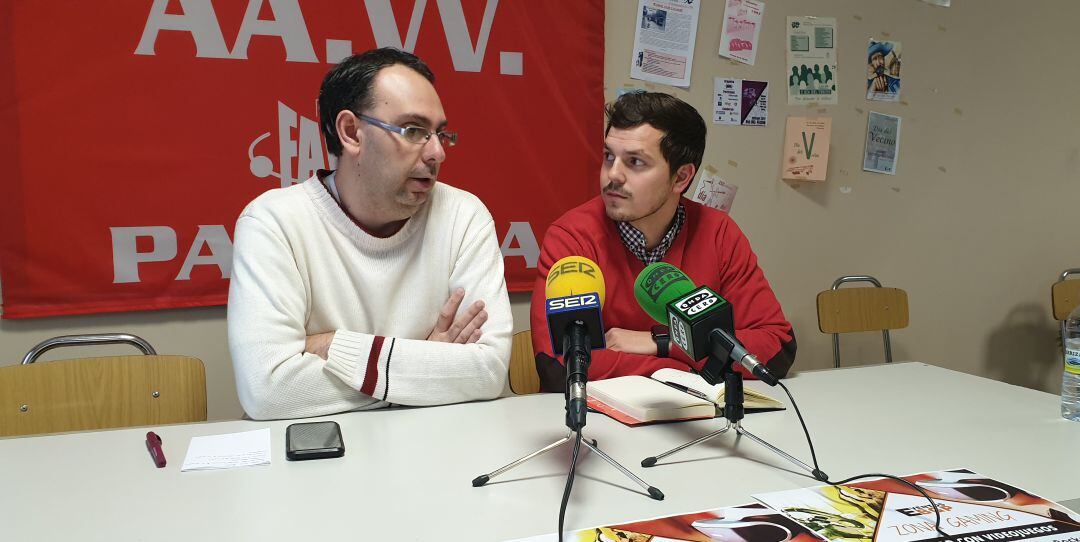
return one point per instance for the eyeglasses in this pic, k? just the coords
(413, 134)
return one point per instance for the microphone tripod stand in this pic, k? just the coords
(733, 413)
(575, 428)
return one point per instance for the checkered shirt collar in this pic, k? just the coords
(634, 240)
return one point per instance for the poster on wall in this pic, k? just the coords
(127, 168)
(742, 25)
(806, 148)
(740, 102)
(882, 143)
(883, 71)
(665, 32)
(713, 192)
(811, 60)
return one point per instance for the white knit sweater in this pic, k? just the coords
(301, 267)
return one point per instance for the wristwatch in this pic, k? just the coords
(662, 338)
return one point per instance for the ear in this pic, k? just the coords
(348, 132)
(683, 176)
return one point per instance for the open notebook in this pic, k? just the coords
(635, 400)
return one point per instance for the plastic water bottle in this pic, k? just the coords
(1070, 379)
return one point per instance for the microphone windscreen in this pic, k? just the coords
(574, 275)
(659, 284)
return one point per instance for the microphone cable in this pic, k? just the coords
(822, 477)
(569, 483)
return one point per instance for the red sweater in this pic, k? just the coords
(720, 257)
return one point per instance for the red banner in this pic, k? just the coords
(134, 132)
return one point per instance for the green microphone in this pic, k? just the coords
(659, 284)
(691, 313)
(701, 322)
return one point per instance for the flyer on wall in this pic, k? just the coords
(811, 60)
(973, 508)
(806, 148)
(883, 71)
(664, 36)
(746, 523)
(742, 26)
(740, 102)
(882, 143)
(713, 192)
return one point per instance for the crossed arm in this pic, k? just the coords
(464, 329)
(283, 371)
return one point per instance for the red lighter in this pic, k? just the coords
(153, 444)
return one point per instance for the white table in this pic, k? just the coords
(406, 472)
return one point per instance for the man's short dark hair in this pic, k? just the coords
(684, 129)
(349, 84)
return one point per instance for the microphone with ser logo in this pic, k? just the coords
(574, 296)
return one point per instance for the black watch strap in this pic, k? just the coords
(662, 339)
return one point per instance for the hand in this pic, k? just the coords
(463, 330)
(319, 344)
(631, 342)
(880, 84)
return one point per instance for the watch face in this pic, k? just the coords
(660, 332)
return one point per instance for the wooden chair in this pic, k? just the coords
(1065, 296)
(99, 393)
(523, 376)
(861, 309)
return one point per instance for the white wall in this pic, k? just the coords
(975, 225)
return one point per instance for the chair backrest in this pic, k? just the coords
(1065, 294)
(852, 310)
(523, 376)
(862, 309)
(99, 393)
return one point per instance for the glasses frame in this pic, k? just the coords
(447, 139)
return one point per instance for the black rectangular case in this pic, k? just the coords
(313, 440)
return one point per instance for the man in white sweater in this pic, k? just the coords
(373, 284)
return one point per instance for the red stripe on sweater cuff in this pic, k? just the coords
(371, 376)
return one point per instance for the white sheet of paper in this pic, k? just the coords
(739, 34)
(665, 33)
(740, 102)
(713, 192)
(811, 60)
(228, 451)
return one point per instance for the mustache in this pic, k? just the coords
(429, 172)
(612, 189)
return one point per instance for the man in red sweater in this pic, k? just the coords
(652, 149)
